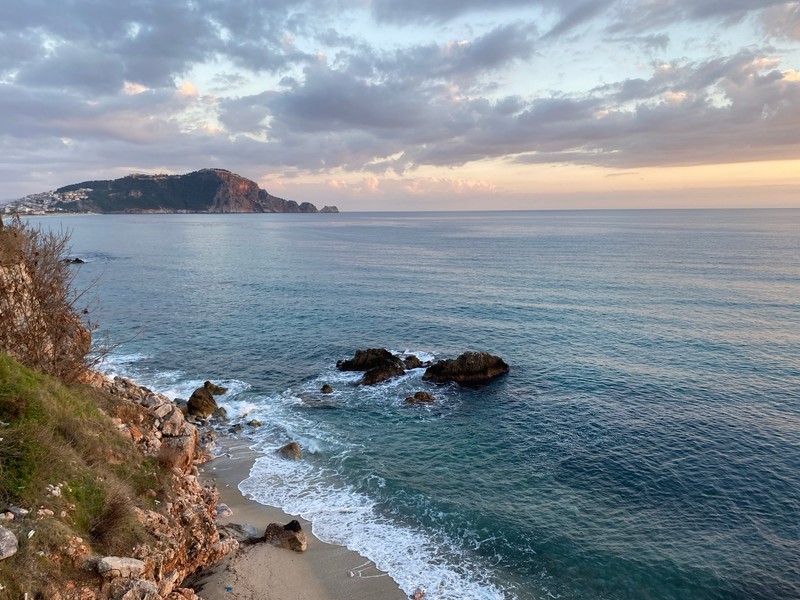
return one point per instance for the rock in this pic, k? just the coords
(326, 389)
(202, 403)
(244, 534)
(8, 543)
(291, 451)
(137, 589)
(115, 566)
(290, 536)
(254, 423)
(234, 429)
(19, 513)
(420, 398)
(74, 261)
(469, 368)
(412, 362)
(329, 209)
(382, 373)
(223, 510)
(364, 360)
(418, 594)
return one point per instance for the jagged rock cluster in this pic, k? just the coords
(379, 365)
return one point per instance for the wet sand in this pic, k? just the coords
(263, 572)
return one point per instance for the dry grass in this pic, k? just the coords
(40, 321)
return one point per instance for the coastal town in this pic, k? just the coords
(45, 202)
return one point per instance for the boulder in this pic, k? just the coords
(326, 389)
(291, 451)
(8, 543)
(469, 368)
(242, 533)
(201, 402)
(412, 362)
(116, 566)
(365, 360)
(290, 536)
(420, 398)
(382, 373)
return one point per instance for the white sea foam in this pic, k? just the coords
(342, 516)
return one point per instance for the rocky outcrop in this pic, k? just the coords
(202, 403)
(290, 536)
(329, 209)
(469, 368)
(326, 389)
(378, 363)
(184, 529)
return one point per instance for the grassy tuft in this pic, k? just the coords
(54, 436)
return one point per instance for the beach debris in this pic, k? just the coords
(420, 398)
(292, 451)
(228, 588)
(290, 536)
(8, 543)
(30, 533)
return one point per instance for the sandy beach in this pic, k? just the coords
(263, 572)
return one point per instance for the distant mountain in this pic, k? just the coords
(204, 191)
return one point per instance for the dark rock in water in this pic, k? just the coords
(74, 261)
(290, 536)
(291, 451)
(364, 360)
(381, 373)
(220, 414)
(236, 428)
(412, 362)
(326, 389)
(420, 398)
(469, 368)
(254, 423)
(201, 402)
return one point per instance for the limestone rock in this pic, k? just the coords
(116, 566)
(290, 536)
(202, 403)
(420, 398)
(8, 543)
(291, 451)
(469, 368)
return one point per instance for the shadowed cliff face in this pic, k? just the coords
(207, 190)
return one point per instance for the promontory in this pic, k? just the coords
(203, 191)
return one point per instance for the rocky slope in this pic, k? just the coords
(206, 190)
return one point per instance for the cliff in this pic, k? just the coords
(206, 190)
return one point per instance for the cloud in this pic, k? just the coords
(783, 21)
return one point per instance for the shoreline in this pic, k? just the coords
(323, 572)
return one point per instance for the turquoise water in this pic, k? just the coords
(645, 445)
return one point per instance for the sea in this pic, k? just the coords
(645, 444)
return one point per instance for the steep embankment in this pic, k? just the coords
(98, 488)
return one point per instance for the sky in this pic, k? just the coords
(414, 104)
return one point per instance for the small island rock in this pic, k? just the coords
(326, 389)
(372, 358)
(469, 368)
